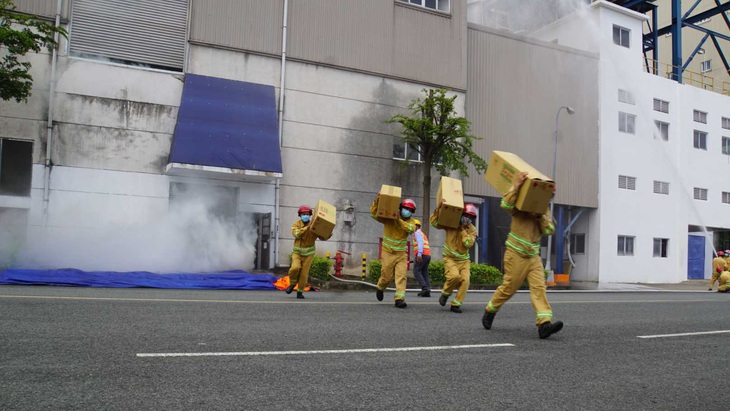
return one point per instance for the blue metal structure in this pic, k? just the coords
(680, 21)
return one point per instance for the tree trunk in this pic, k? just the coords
(426, 200)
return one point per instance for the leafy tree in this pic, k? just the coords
(441, 137)
(20, 34)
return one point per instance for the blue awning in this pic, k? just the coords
(226, 128)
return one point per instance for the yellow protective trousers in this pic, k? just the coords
(724, 282)
(457, 275)
(299, 270)
(516, 269)
(394, 264)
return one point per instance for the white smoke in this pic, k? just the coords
(520, 16)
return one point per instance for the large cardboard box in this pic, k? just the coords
(535, 193)
(324, 218)
(450, 191)
(389, 202)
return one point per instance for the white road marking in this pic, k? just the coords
(683, 334)
(352, 351)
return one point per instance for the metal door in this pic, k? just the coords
(262, 242)
(696, 258)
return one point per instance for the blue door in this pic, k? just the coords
(696, 258)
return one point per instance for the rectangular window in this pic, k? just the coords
(402, 151)
(706, 66)
(662, 130)
(16, 167)
(627, 183)
(661, 105)
(660, 247)
(726, 123)
(621, 36)
(726, 197)
(625, 96)
(726, 145)
(625, 245)
(661, 187)
(626, 123)
(700, 117)
(700, 140)
(440, 5)
(577, 244)
(700, 194)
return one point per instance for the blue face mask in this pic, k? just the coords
(465, 220)
(405, 213)
(305, 218)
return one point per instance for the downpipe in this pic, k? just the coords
(277, 186)
(48, 164)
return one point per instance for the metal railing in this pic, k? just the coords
(690, 77)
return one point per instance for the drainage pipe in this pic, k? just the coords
(277, 187)
(49, 126)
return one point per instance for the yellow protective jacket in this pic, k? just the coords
(304, 238)
(526, 228)
(458, 241)
(718, 262)
(395, 232)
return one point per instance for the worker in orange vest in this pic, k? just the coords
(302, 255)
(422, 252)
(719, 264)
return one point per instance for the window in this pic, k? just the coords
(662, 130)
(401, 151)
(706, 66)
(626, 123)
(700, 117)
(625, 96)
(440, 5)
(627, 183)
(150, 33)
(700, 194)
(660, 247)
(726, 197)
(621, 36)
(661, 187)
(625, 245)
(661, 105)
(16, 167)
(700, 140)
(577, 244)
(726, 145)
(726, 123)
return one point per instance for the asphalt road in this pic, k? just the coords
(85, 348)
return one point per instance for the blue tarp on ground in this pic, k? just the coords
(69, 277)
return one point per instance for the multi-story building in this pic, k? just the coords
(260, 106)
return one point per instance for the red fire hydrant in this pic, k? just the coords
(339, 262)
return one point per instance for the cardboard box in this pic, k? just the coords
(450, 191)
(324, 218)
(535, 193)
(389, 202)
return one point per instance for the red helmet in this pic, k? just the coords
(720, 253)
(470, 209)
(304, 210)
(408, 203)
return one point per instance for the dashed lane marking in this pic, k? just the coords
(351, 351)
(684, 334)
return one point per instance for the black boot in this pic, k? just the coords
(455, 309)
(547, 329)
(401, 303)
(290, 288)
(424, 294)
(487, 319)
(442, 299)
(379, 295)
(300, 295)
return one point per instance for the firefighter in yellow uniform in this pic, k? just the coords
(457, 263)
(724, 282)
(394, 255)
(719, 264)
(302, 255)
(522, 260)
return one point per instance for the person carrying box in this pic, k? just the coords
(457, 263)
(394, 253)
(302, 255)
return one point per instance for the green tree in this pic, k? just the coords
(20, 34)
(441, 137)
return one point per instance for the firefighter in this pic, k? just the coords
(522, 260)
(394, 254)
(724, 282)
(719, 264)
(422, 252)
(457, 264)
(302, 255)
